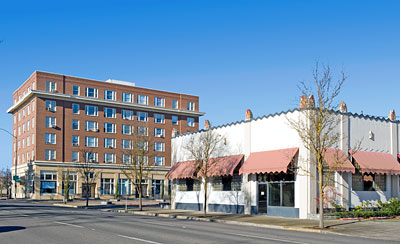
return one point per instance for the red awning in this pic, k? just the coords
(269, 161)
(338, 161)
(374, 162)
(181, 170)
(223, 165)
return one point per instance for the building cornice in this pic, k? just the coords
(96, 101)
(94, 165)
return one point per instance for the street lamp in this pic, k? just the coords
(16, 153)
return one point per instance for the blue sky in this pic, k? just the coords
(233, 54)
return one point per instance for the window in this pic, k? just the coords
(368, 182)
(190, 106)
(109, 95)
(174, 120)
(127, 129)
(48, 181)
(142, 131)
(23, 128)
(159, 118)
(75, 90)
(144, 160)
(19, 116)
(227, 183)
(51, 105)
(28, 125)
(29, 109)
(33, 122)
(91, 126)
(19, 130)
(124, 187)
(33, 139)
(75, 156)
(159, 101)
(110, 112)
(143, 145)
(159, 132)
(75, 108)
(51, 86)
(72, 178)
(50, 122)
(127, 114)
(91, 110)
(190, 122)
(175, 104)
(91, 92)
(109, 158)
(23, 143)
(188, 185)
(158, 161)
(109, 128)
(91, 157)
(159, 146)
(23, 113)
(28, 141)
(126, 144)
(107, 186)
(75, 141)
(141, 99)
(109, 142)
(280, 188)
(127, 97)
(75, 124)
(50, 138)
(50, 154)
(142, 116)
(126, 159)
(91, 141)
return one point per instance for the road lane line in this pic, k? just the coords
(138, 239)
(62, 223)
(265, 238)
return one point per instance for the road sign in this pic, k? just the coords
(16, 178)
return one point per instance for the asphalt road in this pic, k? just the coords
(25, 222)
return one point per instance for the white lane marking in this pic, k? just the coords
(25, 215)
(138, 239)
(62, 223)
(6, 211)
(265, 238)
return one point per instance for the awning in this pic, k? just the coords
(223, 165)
(269, 161)
(181, 170)
(375, 162)
(338, 161)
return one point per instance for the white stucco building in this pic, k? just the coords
(262, 160)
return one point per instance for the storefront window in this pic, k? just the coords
(124, 187)
(274, 195)
(48, 180)
(107, 186)
(368, 182)
(280, 190)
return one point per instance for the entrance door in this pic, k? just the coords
(91, 189)
(262, 198)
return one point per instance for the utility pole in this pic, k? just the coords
(15, 163)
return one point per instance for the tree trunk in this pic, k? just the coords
(140, 198)
(87, 193)
(205, 198)
(321, 197)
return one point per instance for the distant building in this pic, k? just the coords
(56, 116)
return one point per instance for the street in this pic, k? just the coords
(26, 222)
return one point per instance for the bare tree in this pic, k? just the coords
(66, 182)
(5, 181)
(87, 171)
(138, 162)
(202, 147)
(317, 127)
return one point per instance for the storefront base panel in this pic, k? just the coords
(189, 206)
(287, 212)
(235, 209)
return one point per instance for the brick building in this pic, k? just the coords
(55, 117)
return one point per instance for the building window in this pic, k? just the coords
(91, 141)
(227, 183)
(175, 104)
(91, 126)
(159, 161)
(75, 156)
(75, 108)
(109, 143)
(29, 109)
(142, 116)
(91, 110)
(48, 181)
(51, 86)
(126, 144)
(159, 101)
(142, 131)
(107, 186)
(50, 138)
(127, 114)
(127, 97)
(126, 159)
(28, 141)
(190, 122)
(109, 95)
(33, 123)
(110, 112)
(189, 185)
(159, 118)
(51, 105)
(174, 120)
(28, 125)
(109, 158)
(159, 146)
(280, 189)
(368, 182)
(109, 128)
(50, 122)
(75, 90)
(75, 124)
(72, 178)
(75, 141)
(50, 154)
(124, 187)
(159, 132)
(144, 160)
(141, 99)
(127, 129)
(91, 157)
(91, 92)
(190, 106)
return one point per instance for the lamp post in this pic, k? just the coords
(15, 165)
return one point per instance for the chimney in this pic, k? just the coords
(311, 101)
(207, 124)
(343, 107)
(303, 102)
(249, 115)
(392, 115)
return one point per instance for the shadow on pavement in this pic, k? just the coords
(10, 228)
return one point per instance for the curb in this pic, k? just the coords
(65, 205)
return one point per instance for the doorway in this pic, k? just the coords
(262, 197)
